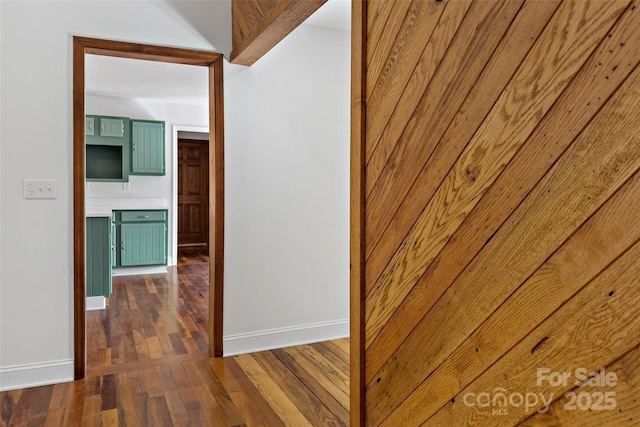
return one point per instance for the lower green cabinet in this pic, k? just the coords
(114, 243)
(141, 237)
(99, 243)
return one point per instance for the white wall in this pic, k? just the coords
(287, 187)
(287, 143)
(36, 241)
(147, 186)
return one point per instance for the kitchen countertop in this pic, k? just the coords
(104, 206)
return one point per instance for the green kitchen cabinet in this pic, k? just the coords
(107, 148)
(141, 237)
(147, 147)
(98, 249)
(90, 125)
(114, 241)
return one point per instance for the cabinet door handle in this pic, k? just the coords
(101, 127)
(90, 125)
(122, 246)
(134, 147)
(143, 216)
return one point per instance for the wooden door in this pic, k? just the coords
(193, 192)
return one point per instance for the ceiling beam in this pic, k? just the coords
(258, 25)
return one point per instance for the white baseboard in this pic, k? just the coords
(284, 337)
(35, 374)
(130, 271)
(96, 303)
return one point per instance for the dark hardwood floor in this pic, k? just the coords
(148, 366)
(152, 316)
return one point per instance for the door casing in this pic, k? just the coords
(214, 62)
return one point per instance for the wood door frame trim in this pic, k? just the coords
(357, 194)
(82, 46)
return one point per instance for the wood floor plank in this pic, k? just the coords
(109, 418)
(277, 398)
(74, 412)
(55, 418)
(551, 213)
(201, 404)
(337, 350)
(603, 73)
(246, 397)
(491, 149)
(336, 360)
(316, 364)
(127, 415)
(220, 394)
(331, 397)
(159, 414)
(8, 405)
(311, 406)
(343, 344)
(175, 406)
(592, 330)
(59, 396)
(92, 411)
(568, 270)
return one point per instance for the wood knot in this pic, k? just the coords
(473, 172)
(537, 346)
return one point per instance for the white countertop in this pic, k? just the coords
(96, 211)
(104, 206)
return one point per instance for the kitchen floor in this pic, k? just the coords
(153, 316)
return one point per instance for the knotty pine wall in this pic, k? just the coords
(496, 206)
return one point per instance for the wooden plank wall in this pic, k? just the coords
(258, 25)
(500, 208)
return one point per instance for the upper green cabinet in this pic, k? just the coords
(112, 127)
(107, 130)
(147, 147)
(107, 148)
(90, 125)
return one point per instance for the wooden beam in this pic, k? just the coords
(258, 25)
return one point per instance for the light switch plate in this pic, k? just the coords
(39, 188)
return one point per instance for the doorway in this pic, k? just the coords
(215, 201)
(193, 192)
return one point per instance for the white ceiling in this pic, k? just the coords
(128, 78)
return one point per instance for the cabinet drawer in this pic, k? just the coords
(143, 216)
(112, 127)
(89, 125)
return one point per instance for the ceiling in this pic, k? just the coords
(186, 84)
